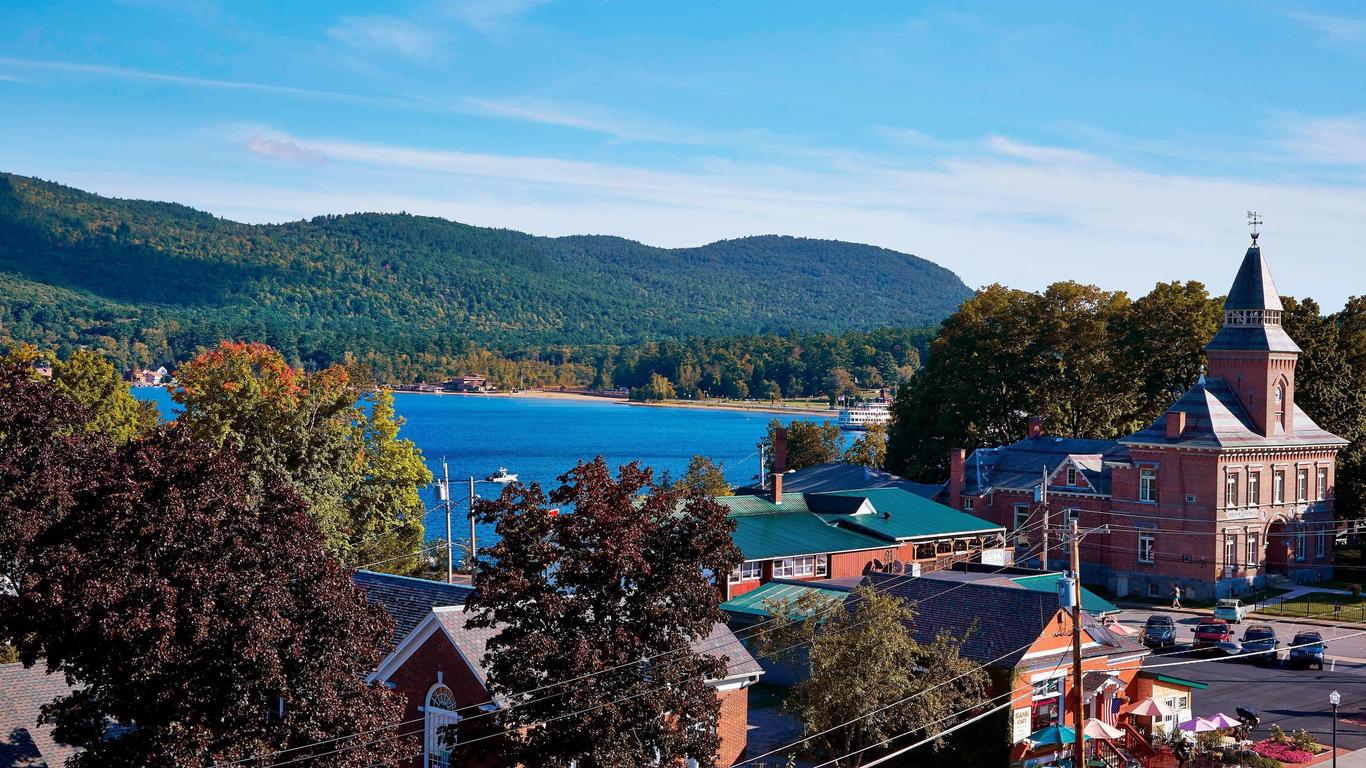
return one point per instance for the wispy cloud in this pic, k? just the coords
(585, 118)
(282, 149)
(489, 16)
(386, 34)
(1327, 140)
(1343, 30)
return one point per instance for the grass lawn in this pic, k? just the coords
(1324, 605)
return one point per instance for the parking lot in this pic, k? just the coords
(1291, 698)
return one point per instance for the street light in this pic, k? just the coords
(1335, 699)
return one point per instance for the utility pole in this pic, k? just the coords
(1043, 498)
(763, 470)
(450, 544)
(1079, 745)
(474, 551)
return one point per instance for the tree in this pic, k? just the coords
(199, 621)
(582, 598)
(808, 443)
(839, 386)
(658, 389)
(870, 449)
(863, 660)
(703, 473)
(1163, 337)
(90, 380)
(770, 391)
(360, 480)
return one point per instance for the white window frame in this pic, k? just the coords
(434, 718)
(1254, 488)
(1147, 543)
(1071, 477)
(801, 566)
(1230, 490)
(749, 570)
(967, 503)
(1302, 484)
(1278, 487)
(1231, 550)
(1147, 484)
(1021, 512)
(1252, 549)
(1322, 483)
(1321, 548)
(1299, 545)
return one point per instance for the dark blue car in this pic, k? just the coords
(1306, 650)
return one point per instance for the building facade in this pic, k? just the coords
(1231, 486)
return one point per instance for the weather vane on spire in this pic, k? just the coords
(1254, 220)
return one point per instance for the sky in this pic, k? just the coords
(1020, 143)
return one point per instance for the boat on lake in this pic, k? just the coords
(501, 476)
(859, 415)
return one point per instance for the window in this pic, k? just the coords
(1302, 484)
(1152, 590)
(1072, 477)
(806, 565)
(1045, 699)
(1068, 515)
(1021, 520)
(1321, 551)
(1231, 551)
(750, 570)
(1299, 545)
(1230, 490)
(1252, 549)
(1147, 485)
(1145, 547)
(1323, 483)
(439, 713)
(967, 504)
(1254, 488)
(1278, 487)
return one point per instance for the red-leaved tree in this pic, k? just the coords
(582, 598)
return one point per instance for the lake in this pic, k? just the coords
(538, 439)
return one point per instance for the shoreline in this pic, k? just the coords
(693, 405)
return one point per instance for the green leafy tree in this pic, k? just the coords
(870, 449)
(839, 386)
(581, 598)
(659, 388)
(313, 429)
(808, 443)
(863, 660)
(90, 380)
(703, 473)
(1162, 337)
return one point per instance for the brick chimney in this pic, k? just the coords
(956, 459)
(777, 488)
(1035, 426)
(780, 450)
(1176, 423)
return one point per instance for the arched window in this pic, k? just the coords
(439, 712)
(1280, 405)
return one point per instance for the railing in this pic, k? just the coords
(1109, 754)
(1136, 745)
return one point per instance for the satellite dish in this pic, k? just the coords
(898, 567)
(878, 565)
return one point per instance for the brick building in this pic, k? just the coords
(1229, 487)
(840, 534)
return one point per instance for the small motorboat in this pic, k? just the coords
(501, 476)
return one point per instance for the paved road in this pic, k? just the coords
(1292, 698)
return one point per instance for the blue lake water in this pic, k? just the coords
(539, 439)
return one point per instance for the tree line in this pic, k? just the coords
(1096, 364)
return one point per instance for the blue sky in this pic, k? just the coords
(1013, 142)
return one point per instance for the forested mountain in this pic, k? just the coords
(148, 283)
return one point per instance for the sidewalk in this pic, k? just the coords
(1355, 759)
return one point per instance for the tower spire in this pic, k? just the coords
(1254, 220)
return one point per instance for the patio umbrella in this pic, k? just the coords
(1151, 708)
(1053, 735)
(1099, 729)
(1115, 626)
(1224, 721)
(1198, 725)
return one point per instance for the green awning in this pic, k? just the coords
(752, 603)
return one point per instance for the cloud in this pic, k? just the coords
(1342, 30)
(488, 16)
(278, 149)
(583, 118)
(1327, 140)
(386, 34)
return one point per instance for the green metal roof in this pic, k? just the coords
(904, 515)
(1174, 680)
(786, 534)
(1048, 582)
(752, 603)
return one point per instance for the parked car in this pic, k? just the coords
(1159, 631)
(1260, 644)
(1231, 609)
(1306, 650)
(1212, 632)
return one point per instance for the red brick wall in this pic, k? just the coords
(417, 676)
(733, 727)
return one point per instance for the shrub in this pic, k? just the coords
(1305, 742)
(1278, 734)
(1254, 760)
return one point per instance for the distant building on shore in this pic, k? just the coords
(145, 377)
(466, 384)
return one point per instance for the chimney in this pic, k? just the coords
(777, 488)
(1176, 423)
(1035, 426)
(956, 458)
(780, 450)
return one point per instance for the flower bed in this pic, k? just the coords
(1286, 753)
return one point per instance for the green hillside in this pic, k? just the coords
(149, 282)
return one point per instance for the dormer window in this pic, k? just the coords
(1072, 477)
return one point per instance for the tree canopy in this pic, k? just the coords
(583, 599)
(808, 443)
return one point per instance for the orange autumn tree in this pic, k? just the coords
(327, 433)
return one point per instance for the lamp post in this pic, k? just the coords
(1335, 699)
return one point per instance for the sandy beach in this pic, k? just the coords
(555, 394)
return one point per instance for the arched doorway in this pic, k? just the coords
(439, 712)
(1277, 548)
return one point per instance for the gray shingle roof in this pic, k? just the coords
(408, 600)
(1253, 287)
(23, 742)
(1020, 464)
(1215, 419)
(838, 476)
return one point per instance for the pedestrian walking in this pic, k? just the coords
(1176, 597)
